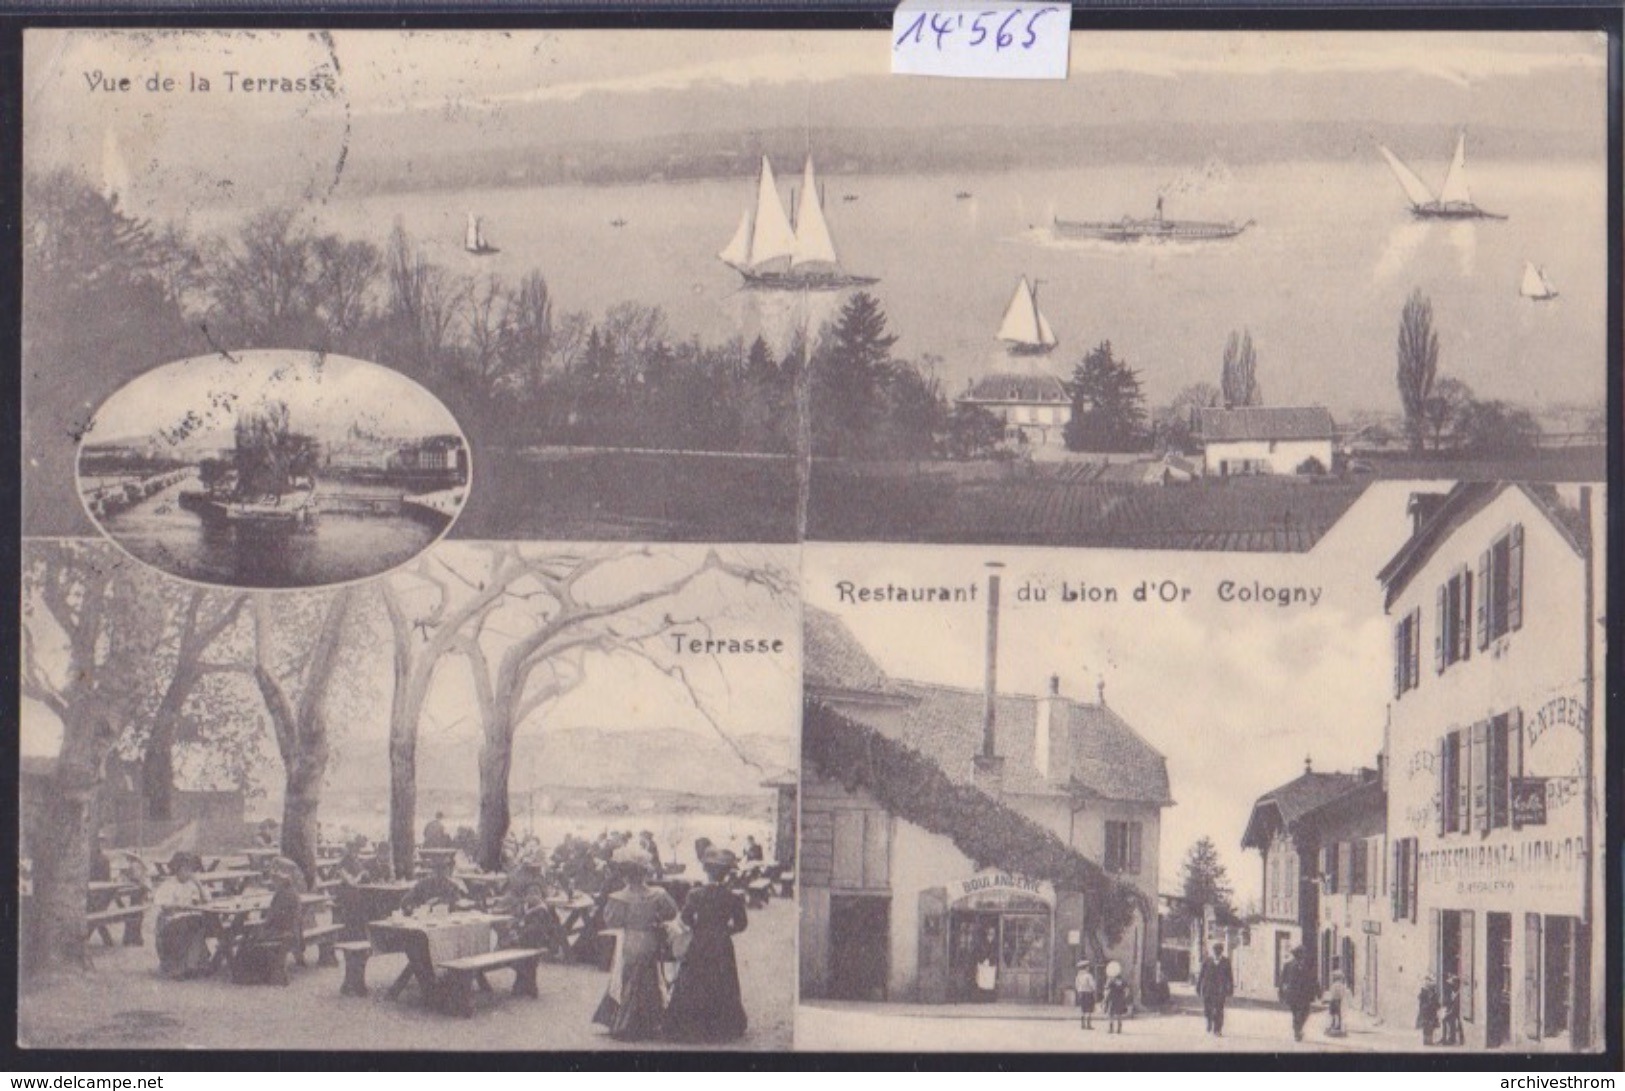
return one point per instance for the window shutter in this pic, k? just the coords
(1397, 871)
(1435, 935)
(1464, 780)
(1514, 758)
(1345, 866)
(1447, 782)
(1479, 770)
(1485, 592)
(1515, 581)
(1464, 628)
(1500, 765)
(1134, 848)
(1399, 659)
(1412, 867)
(1469, 963)
(1533, 948)
(1441, 628)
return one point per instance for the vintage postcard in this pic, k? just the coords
(563, 539)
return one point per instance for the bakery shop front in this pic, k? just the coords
(1000, 937)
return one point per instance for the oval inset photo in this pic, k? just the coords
(273, 468)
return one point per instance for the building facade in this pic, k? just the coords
(914, 876)
(1265, 440)
(1034, 408)
(1494, 805)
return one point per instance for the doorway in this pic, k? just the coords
(859, 946)
(1368, 995)
(1558, 980)
(1497, 979)
(1015, 943)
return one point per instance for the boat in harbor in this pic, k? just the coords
(770, 251)
(1454, 201)
(474, 240)
(1155, 229)
(1025, 331)
(272, 514)
(1535, 284)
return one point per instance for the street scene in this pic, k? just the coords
(995, 859)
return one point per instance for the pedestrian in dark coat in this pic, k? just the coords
(1117, 1003)
(1298, 989)
(1215, 983)
(1451, 1005)
(1427, 1009)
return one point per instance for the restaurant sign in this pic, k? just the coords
(999, 884)
(1528, 801)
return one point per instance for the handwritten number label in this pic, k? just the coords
(981, 40)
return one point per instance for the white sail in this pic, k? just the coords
(813, 243)
(115, 172)
(1416, 189)
(471, 235)
(737, 252)
(771, 234)
(1455, 188)
(1535, 285)
(1023, 324)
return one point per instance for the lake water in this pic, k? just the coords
(1319, 279)
(342, 548)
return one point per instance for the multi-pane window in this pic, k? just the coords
(1453, 641)
(1402, 883)
(1123, 848)
(1477, 765)
(1358, 878)
(1500, 587)
(1407, 652)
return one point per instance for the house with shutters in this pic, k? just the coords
(1494, 812)
(968, 845)
(1259, 439)
(1321, 838)
(1034, 407)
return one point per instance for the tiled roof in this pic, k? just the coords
(1464, 501)
(834, 660)
(1016, 388)
(1265, 422)
(1292, 801)
(1107, 758)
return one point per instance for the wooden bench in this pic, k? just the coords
(462, 974)
(356, 953)
(101, 923)
(324, 937)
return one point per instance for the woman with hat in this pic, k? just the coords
(183, 950)
(705, 1003)
(634, 1001)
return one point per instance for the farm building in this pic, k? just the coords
(962, 844)
(1265, 440)
(1033, 406)
(1495, 831)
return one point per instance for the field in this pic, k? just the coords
(1070, 504)
(616, 495)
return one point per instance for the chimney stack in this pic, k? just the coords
(989, 767)
(1050, 733)
(1100, 691)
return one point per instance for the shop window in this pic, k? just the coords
(1123, 848)
(1407, 652)
(1500, 582)
(1453, 640)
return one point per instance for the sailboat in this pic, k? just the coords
(770, 252)
(1454, 201)
(474, 240)
(1535, 285)
(1025, 330)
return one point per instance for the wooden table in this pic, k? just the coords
(576, 918)
(228, 883)
(100, 895)
(232, 919)
(430, 938)
(481, 884)
(359, 905)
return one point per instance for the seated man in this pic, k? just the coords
(436, 887)
(263, 957)
(352, 869)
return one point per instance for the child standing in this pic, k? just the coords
(1086, 987)
(1335, 994)
(1116, 1003)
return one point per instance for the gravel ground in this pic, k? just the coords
(123, 1004)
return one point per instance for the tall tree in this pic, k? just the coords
(297, 649)
(1239, 377)
(90, 625)
(568, 607)
(851, 369)
(1175, 424)
(1204, 883)
(1108, 407)
(1447, 408)
(1418, 353)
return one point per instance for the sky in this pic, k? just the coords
(1236, 696)
(325, 394)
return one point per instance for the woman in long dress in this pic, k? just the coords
(183, 950)
(705, 1002)
(634, 1002)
